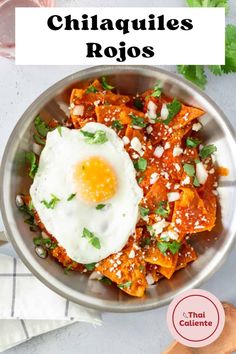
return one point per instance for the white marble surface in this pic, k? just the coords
(121, 333)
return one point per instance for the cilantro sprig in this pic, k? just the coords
(163, 209)
(91, 89)
(99, 137)
(157, 90)
(117, 125)
(173, 108)
(92, 238)
(105, 85)
(164, 246)
(31, 159)
(51, 204)
(197, 73)
(125, 285)
(207, 151)
(140, 164)
(137, 121)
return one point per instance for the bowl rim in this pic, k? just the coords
(46, 278)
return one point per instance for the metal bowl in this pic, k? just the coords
(212, 247)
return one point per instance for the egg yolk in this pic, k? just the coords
(96, 180)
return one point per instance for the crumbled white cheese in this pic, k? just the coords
(78, 110)
(176, 186)
(96, 103)
(167, 146)
(201, 173)
(132, 254)
(150, 279)
(196, 127)
(158, 151)
(159, 226)
(164, 112)
(178, 221)
(125, 140)
(169, 235)
(173, 196)
(186, 181)
(118, 274)
(153, 178)
(177, 151)
(168, 185)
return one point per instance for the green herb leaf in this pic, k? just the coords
(92, 239)
(68, 268)
(208, 3)
(173, 246)
(99, 137)
(163, 209)
(105, 84)
(189, 169)
(31, 158)
(157, 90)
(194, 73)
(140, 164)
(151, 230)
(90, 266)
(41, 127)
(143, 211)
(30, 221)
(207, 151)
(173, 107)
(106, 281)
(91, 89)
(140, 179)
(145, 241)
(138, 103)
(59, 130)
(125, 285)
(52, 203)
(192, 143)
(137, 121)
(196, 182)
(39, 140)
(71, 197)
(116, 124)
(100, 206)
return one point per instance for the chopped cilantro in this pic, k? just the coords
(106, 280)
(68, 268)
(207, 151)
(99, 137)
(125, 285)
(137, 121)
(116, 124)
(145, 241)
(31, 158)
(41, 127)
(196, 182)
(59, 130)
(189, 169)
(100, 206)
(92, 239)
(173, 108)
(140, 164)
(173, 246)
(143, 211)
(91, 89)
(157, 90)
(71, 197)
(38, 139)
(90, 266)
(105, 84)
(138, 103)
(163, 209)
(52, 203)
(192, 143)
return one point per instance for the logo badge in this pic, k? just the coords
(195, 318)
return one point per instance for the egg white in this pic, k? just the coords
(112, 225)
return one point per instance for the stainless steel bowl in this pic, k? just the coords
(212, 247)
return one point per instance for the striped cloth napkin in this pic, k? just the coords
(28, 308)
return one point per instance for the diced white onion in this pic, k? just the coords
(125, 140)
(159, 226)
(164, 111)
(158, 151)
(78, 110)
(173, 196)
(177, 151)
(151, 110)
(196, 127)
(150, 279)
(153, 178)
(201, 173)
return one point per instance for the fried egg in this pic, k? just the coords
(85, 191)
